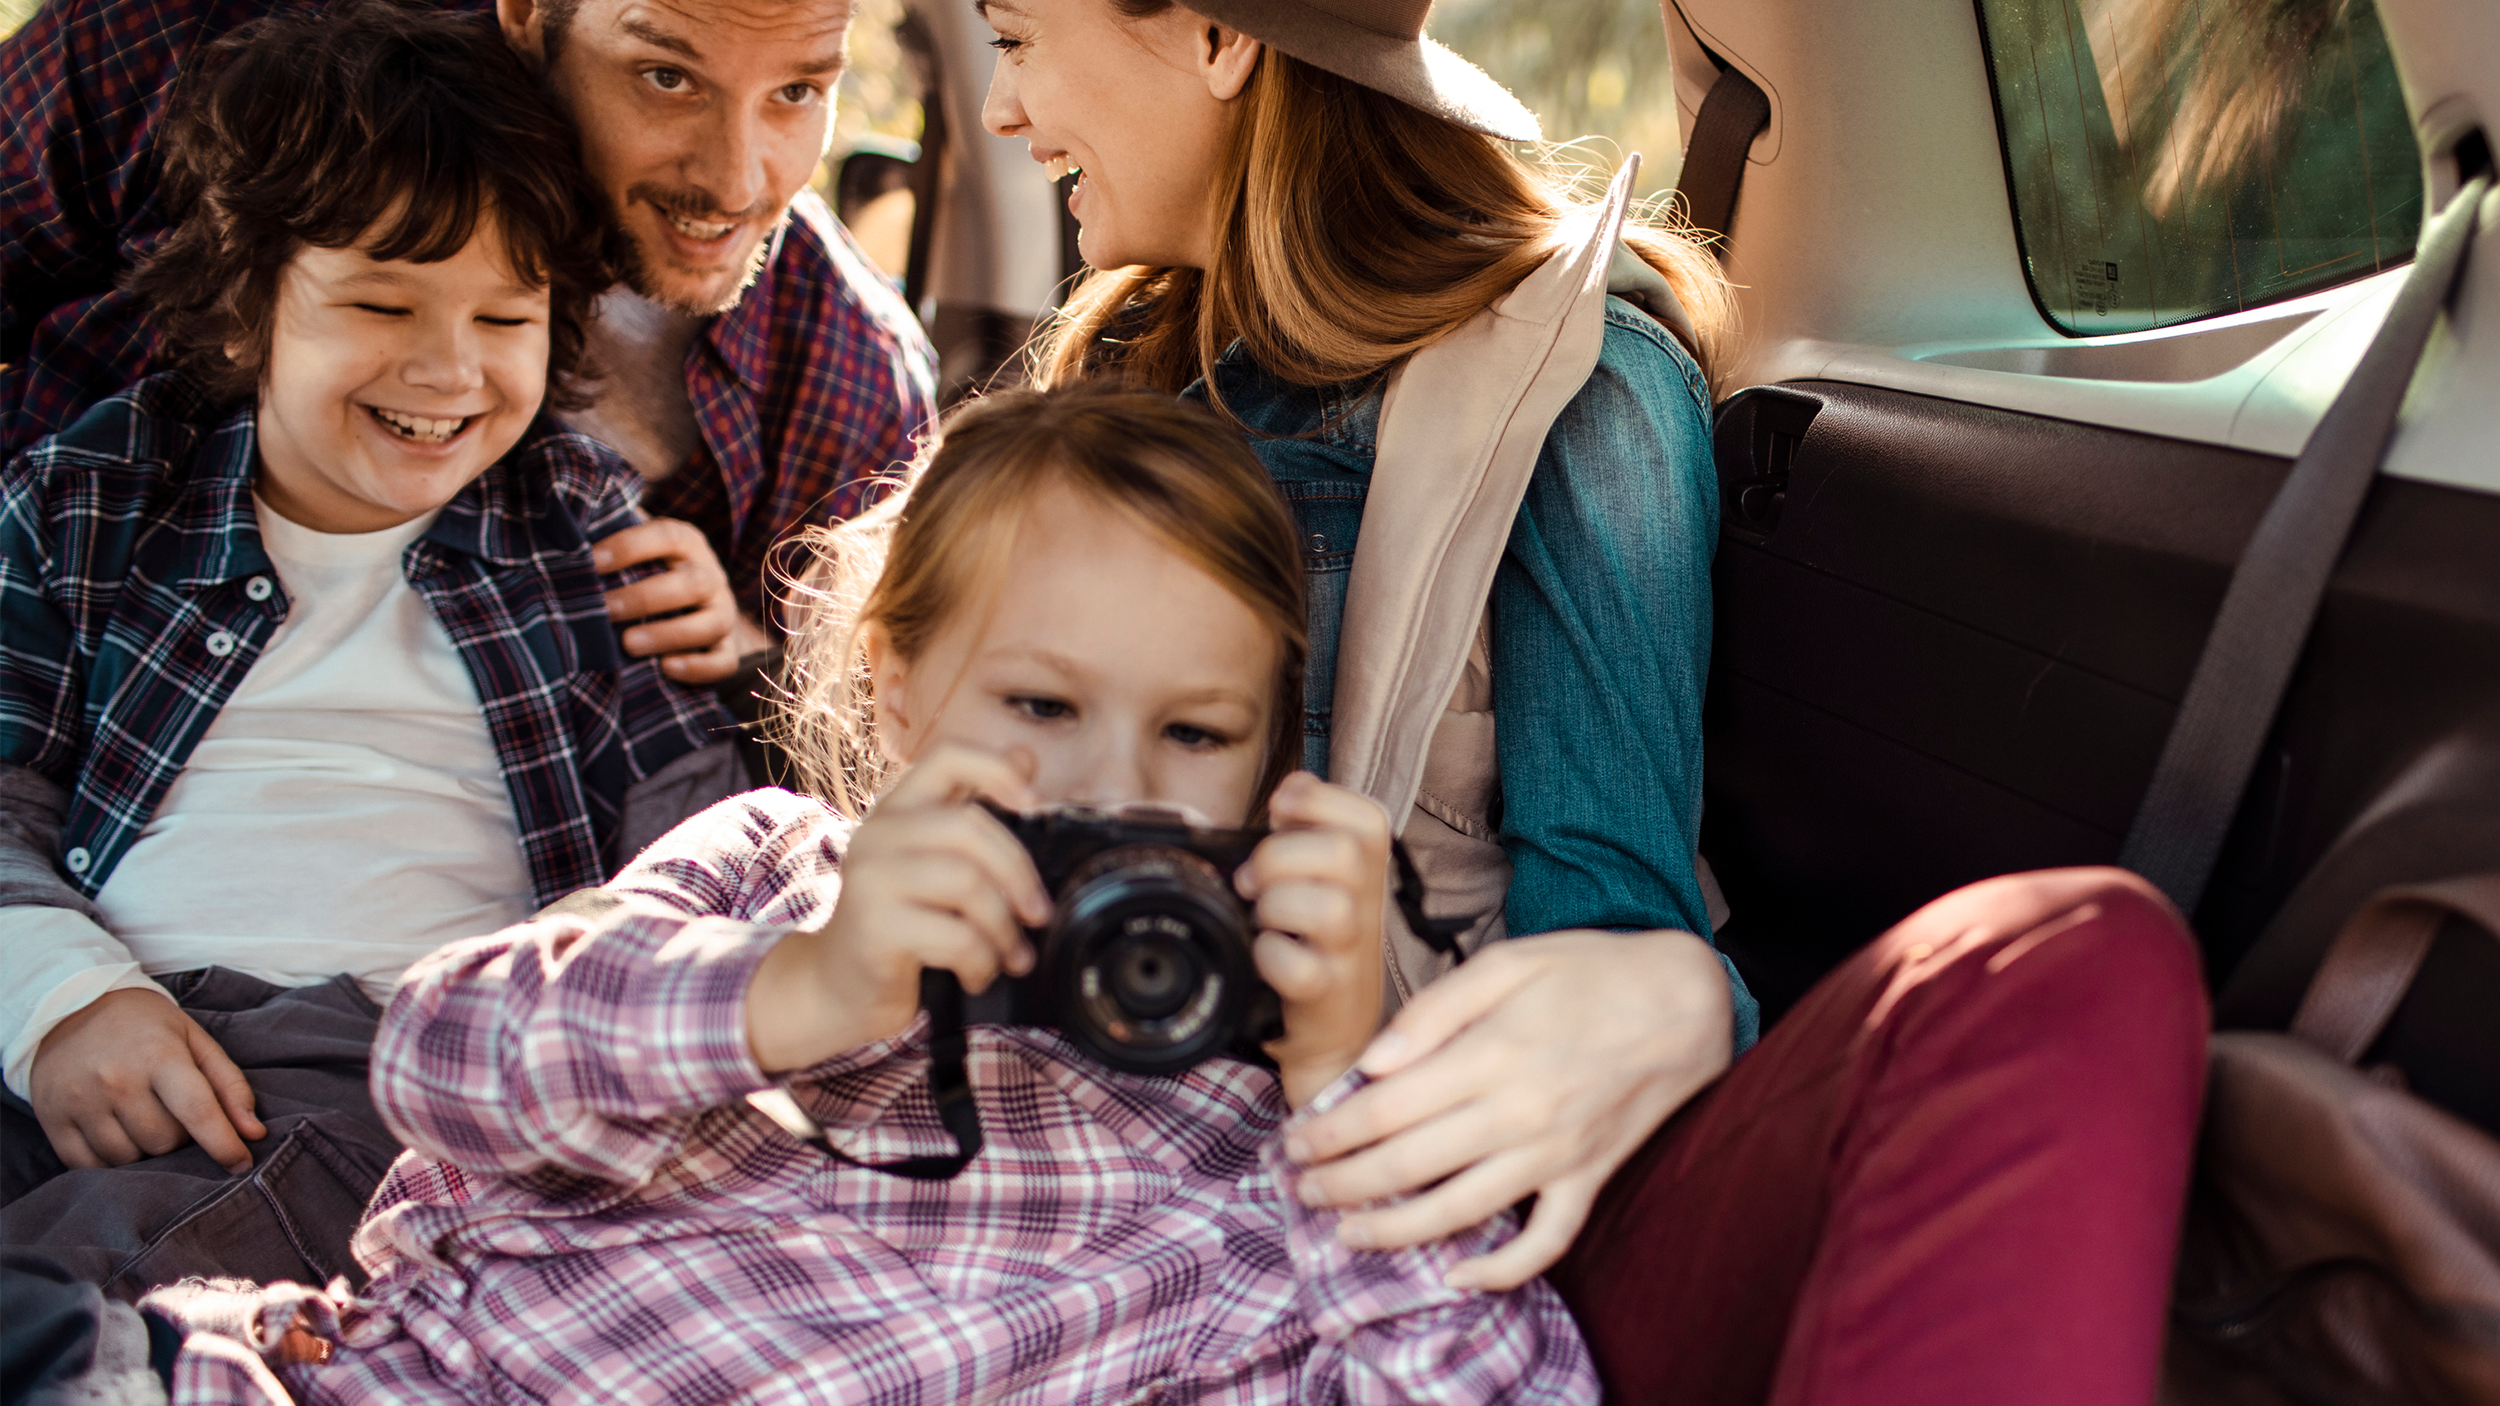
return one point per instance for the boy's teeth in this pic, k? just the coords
(418, 428)
(696, 229)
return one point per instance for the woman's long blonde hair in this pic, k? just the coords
(915, 562)
(1351, 231)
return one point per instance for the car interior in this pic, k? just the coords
(2040, 299)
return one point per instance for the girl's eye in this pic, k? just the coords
(1039, 708)
(1195, 738)
(667, 80)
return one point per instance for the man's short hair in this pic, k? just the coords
(398, 128)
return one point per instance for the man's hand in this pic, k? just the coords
(700, 647)
(929, 880)
(1321, 877)
(131, 1076)
(1536, 1067)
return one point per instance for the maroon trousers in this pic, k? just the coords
(1952, 1174)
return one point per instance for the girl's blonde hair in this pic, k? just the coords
(912, 564)
(1351, 231)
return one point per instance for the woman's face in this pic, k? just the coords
(1144, 108)
(1112, 666)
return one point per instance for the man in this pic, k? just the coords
(761, 375)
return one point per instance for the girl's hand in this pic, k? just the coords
(1322, 877)
(929, 880)
(1535, 1068)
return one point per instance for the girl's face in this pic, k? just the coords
(1144, 108)
(1117, 668)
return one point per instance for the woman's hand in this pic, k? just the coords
(704, 644)
(929, 880)
(131, 1076)
(1535, 1068)
(1322, 877)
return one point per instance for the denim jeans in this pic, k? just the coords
(129, 1228)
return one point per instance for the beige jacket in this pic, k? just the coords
(1460, 431)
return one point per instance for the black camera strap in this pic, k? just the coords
(951, 1086)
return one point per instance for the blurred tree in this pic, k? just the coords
(1596, 72)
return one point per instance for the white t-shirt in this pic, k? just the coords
(345, 812)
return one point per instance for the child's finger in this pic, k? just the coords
(978, 837)
(945, 942)
(956, 887)
(1321, 913)
(1329, 855)
(1303, 800)
(187, 1095)
(952, 774)
(1295, 971)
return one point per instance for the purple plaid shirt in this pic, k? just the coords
(806, 392)
(134, 596)
(592, 1210)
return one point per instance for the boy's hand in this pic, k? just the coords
(705, 644)
(929, 880)
(1322, 877)
(131, 1076)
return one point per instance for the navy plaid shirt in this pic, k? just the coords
(134, 596)
(806, 393)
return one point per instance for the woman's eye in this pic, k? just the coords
(1039, 708)
(667, 80)
(1005, 45)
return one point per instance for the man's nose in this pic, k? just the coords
(729, 166)
(444, 357)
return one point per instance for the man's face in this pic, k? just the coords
(700, 118)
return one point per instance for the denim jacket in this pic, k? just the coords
(1601, 624)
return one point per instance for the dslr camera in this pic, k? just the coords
(1146, 962)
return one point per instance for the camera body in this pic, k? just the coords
(1146, 962)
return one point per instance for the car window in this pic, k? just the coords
(2175, 159)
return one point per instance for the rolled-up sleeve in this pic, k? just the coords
(1601, 651)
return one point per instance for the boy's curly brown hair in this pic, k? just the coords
(399, 129)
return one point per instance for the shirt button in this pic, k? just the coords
(77, 859)
(221, 644)
(259, 588)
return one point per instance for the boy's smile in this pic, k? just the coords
(390, 385)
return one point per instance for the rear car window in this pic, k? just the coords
(2175, 159)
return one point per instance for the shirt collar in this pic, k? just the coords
(737, 336)
(218, 535)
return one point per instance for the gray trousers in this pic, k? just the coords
(131, 1228)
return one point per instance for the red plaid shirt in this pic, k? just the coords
(807, 391)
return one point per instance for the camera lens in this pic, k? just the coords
(1151, 956)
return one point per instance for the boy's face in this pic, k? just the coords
(390, 385)
(700, 118)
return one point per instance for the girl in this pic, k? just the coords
(1289, 205)
(1089, 598)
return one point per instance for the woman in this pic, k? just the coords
(1287, 200)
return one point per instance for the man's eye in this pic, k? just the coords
(667, 80)
(1039, 708)
(800, 94)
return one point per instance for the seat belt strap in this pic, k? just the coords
(1732, 114)
(2280, 580)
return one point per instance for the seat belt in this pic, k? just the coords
(2280, 580)
(1733, 113)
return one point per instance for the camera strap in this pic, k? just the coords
(950, 1084)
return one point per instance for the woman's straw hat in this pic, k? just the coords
(1380, 44)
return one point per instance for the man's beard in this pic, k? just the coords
(644, 274)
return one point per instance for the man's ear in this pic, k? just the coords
(1226, 58)
(890, 689)
(524, 25)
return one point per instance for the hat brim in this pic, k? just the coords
(1417, 72)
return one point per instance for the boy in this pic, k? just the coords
(307, 669)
